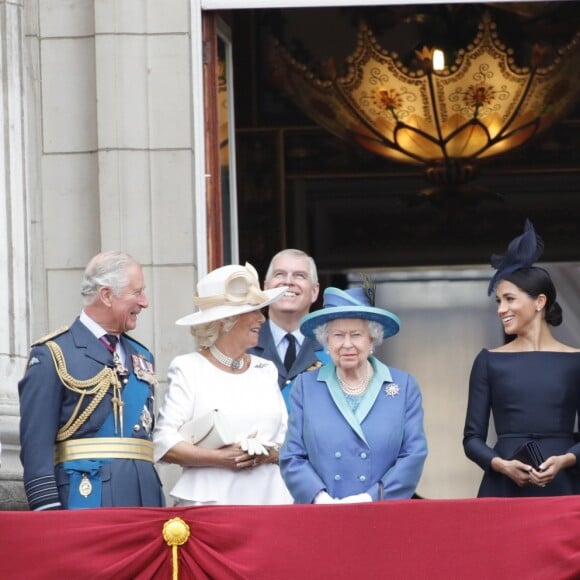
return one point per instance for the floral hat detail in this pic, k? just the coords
(229, 291)
(351, 303)
(522, 252)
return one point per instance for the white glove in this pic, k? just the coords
(255, 445)
(323, 497)
(359, 498)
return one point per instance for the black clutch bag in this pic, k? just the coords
(530, 454)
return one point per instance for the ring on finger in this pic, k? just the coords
(254, 462)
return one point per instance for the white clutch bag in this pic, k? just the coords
(210, 430)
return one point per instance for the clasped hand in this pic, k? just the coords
(255, 449)
(549, 469)
(524, 474)
(254, 444)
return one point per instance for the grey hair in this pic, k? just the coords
(294, 253)
(375, 329)
(108, 269)
(205, 335)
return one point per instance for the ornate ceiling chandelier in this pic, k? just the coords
(445, 116)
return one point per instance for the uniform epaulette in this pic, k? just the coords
(49, 336)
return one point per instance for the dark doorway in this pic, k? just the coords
(300, 186)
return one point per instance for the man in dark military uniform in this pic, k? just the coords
(280, 338)
(87, 401)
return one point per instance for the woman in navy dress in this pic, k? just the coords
(531, 384)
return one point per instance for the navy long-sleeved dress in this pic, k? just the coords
(532, 395)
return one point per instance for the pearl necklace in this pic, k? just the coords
(233, 363)
(361, 387)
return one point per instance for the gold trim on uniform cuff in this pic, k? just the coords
(103, 448)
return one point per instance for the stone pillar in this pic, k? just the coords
(14, 280)
(96, 153)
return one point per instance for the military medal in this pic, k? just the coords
(119, 367)
(314, 366)
(143, 369)
(146, 419)
(85, 486)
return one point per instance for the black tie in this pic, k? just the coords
(112, 339)
(290, 351)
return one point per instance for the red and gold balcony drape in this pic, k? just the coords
(411, 539)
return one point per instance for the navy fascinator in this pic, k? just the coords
(522, 252)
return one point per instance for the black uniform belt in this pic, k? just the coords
(103, 448)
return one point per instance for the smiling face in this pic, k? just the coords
(243, 335)
(349, 343)
(294, 272)
(516, 309)
(124, 307)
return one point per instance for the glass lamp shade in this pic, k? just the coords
(479, 105)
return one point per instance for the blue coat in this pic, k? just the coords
(328, 447)
(46, 405)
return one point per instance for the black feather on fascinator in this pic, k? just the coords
(522, 252)
(369, 287)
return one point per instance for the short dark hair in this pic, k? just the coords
(535, 281)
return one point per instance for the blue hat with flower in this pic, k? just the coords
(522, 252)
(351, 303)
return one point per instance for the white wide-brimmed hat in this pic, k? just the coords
(229, 291)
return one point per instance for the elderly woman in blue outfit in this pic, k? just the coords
(356, 428)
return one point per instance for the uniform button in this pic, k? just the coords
(363, 455)
(125, 381)
(338, 454)
(137, 428)
(288, 382)
(337, 477)
(362, 478)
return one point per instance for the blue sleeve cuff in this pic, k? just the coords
(42, 493)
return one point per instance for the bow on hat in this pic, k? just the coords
(522, 252)
(239, 288)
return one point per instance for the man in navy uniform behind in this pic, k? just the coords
(297, 270)
(87, 400)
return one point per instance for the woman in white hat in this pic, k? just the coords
(223, 417)
(356, 426)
